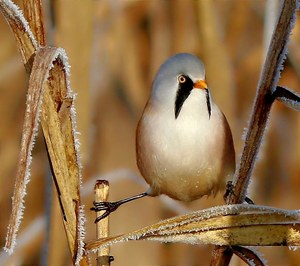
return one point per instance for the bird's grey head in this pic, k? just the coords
(175, 79)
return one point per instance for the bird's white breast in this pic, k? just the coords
(182, 157)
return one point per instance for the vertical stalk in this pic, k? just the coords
(102, 227)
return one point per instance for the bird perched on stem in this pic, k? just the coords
(184, 145)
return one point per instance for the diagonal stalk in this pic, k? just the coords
(260, 113)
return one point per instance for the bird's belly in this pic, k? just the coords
(183, 173)
(187, 186)
(181, 159)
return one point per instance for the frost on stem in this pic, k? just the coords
(13, 12)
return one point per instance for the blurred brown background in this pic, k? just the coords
(114, 48)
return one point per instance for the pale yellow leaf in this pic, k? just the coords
(240, 224)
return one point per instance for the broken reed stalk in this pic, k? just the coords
(260, 114)
(102, 227)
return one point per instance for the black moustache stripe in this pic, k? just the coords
(184, 90)
(208, 102)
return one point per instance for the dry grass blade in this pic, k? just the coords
(33, 13)
(49, 80)
(30, 127)
(33, 235)
(27, 43)
(58, 129)
(223, 225)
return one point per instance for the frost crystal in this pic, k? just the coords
(293, 248)
(285, 49)
(16, 12)
(30, 233)
(81, 230)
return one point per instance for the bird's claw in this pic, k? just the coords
(106, 206)
(230, 190)
(249, 201)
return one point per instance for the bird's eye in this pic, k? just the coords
(181, 79)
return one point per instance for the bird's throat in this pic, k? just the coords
(183, 93)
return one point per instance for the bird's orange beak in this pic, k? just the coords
(200, 84)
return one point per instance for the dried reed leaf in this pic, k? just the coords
(49, 80)
(26, 41)
(239, 224)
(31, 238)
(79, 13)
(59, 134)
(33, 14)
(27, 45)
(30, 128)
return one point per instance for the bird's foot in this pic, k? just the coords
(110, 207)
(249, 201)
(106, 206)
(230, 191)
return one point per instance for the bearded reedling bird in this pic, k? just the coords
(184, 145)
